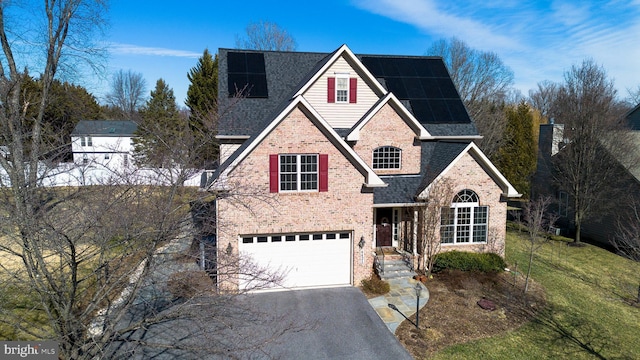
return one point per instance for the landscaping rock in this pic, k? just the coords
(486, 304)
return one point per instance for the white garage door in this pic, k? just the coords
(306, 260)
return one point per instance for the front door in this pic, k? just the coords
(383, 227)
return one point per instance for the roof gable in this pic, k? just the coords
(392, 100)
(371, 179)
(472, 149)
(346, 53)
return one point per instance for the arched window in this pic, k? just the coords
(387, 157)
(465, 221)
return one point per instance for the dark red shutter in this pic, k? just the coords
(353, 90)
(273, 173)
(323, 183)
(331, 90)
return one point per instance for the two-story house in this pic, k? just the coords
(326, 157)
(104, 144)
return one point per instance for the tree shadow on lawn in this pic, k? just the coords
(573, 334)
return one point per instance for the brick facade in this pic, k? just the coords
(387, 128)
(468, 174)
(344, 207)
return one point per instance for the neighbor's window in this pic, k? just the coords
(86, 141)
(299, 172)
(387, 157)
(465, 221)
(342, 89)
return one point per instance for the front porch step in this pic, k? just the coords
(394, 268)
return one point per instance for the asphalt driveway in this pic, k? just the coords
(340, 324)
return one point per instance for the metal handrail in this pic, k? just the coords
(379, 266)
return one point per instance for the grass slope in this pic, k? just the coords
(589, 316)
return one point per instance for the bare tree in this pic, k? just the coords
(543, 98)
(483, 82)
(627, 237)
(127, 93)
(634, 96)
(90, 266)
(595, 131)
(266, 35)
(435, 206)
(537, 219)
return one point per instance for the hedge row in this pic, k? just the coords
(468, 261)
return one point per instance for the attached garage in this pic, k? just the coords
(306, 259)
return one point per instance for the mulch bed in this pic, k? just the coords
(453, 314)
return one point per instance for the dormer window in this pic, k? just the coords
(387, 157)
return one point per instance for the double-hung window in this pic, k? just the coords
(298, 172)
(342, 90)
(86, 141)
(465, 221)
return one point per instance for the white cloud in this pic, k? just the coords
(128, 49)
(539, 41)
(428, 16)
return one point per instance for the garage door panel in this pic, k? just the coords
(305, 263)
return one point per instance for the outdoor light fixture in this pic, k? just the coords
(361, 243)
(418, 289)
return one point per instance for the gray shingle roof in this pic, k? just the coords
(286, 72)
(436, 156)
(105, 128)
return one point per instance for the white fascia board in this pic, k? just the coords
(452, 137)
(342, 50)
(392, 100)
(232, 137)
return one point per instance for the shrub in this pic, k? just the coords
(375, 285)
(468, 261)
(187, 284)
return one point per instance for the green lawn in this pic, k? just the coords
(588, 314)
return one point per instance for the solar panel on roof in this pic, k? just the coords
(425, 83)
(255, 63)
(447, 88)
(396, 86)
(246, 75)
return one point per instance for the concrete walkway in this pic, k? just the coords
(403, 295)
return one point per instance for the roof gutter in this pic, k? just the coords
(450, 137)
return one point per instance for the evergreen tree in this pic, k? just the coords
(161, 128)
(516, 158)
(202, 100)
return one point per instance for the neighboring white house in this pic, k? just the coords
(103, 143)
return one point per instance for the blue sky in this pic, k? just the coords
(538, 40)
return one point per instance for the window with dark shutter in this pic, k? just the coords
(273, 173)
(331, 90)
(324, 173)
(353, 90)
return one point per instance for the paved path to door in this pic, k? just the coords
(402, 294)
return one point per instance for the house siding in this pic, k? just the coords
(387, 128)
(117, 147)
(340, 115)
(344, 207)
